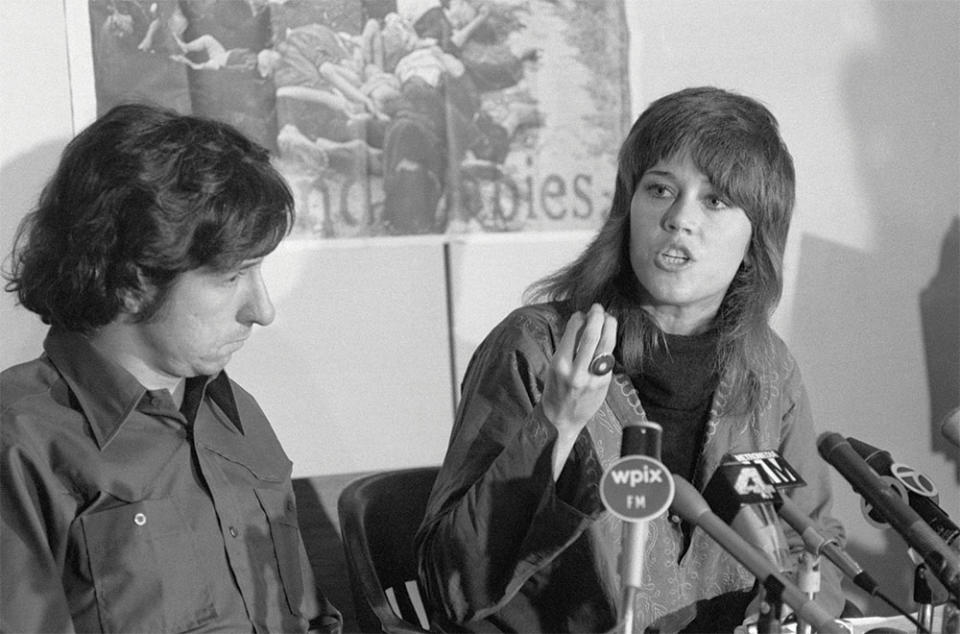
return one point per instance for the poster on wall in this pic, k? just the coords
(394, 117)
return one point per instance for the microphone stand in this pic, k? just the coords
(634, 541)
(808, 580)
(771, 607)
(923, 596)
(638, 440)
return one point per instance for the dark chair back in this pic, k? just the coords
(379, 516)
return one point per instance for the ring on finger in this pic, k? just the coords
(601, 364)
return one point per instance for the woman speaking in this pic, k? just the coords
(673, 295)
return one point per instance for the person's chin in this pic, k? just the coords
(212, 367)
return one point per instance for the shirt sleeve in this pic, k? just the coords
(798, 447)
(495, 517)
(323, 617)
(33, 544)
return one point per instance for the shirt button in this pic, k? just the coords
(139, 519)
(674, 518)
(233, 532)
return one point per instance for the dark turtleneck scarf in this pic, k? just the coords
(676, 389)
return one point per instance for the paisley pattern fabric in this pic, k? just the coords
(541, 537)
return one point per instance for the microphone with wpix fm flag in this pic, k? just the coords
(636, 488)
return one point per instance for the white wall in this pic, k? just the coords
(355, 370)
(35, 122)
(867, 95)
(360, 369)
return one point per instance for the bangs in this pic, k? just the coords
(735, 142)
(741, 170)
(737, 170)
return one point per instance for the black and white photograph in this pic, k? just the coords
(494, 316)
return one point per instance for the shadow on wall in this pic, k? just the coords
(847, 343)
(21, 180)
(22, 177)
(868, 356)
(940, 316)
(905, 109)
(320, 528)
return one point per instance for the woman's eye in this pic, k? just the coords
(715, 202)
(658, 191)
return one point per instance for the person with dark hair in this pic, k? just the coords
(677, 287)
(141, 489)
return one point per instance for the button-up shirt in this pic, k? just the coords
(120, 512)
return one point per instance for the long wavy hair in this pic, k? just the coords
(735, 142)
(140, 196)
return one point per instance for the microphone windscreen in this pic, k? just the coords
(828, 441)
(642, 439)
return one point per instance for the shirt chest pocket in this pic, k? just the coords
(279, 506)
(143, 562)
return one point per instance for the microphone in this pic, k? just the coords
(818, 544)
(922, 495)
(642, 439)
(636, 488)
(741, 497)
(690, 505)
(940, 559)
(782, 476)
(950, 428)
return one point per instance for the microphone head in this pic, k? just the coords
(828, 442)
(866, 451)
(740, 495)
(687, 501)
(641, 439)
(950, 428)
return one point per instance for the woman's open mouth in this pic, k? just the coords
(673, 258)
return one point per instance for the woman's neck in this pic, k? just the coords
(677, 321)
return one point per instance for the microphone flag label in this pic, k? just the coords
(914, 480)
(636, 488)
(778, 471)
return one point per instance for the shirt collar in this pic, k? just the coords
(220, 391)
(106, 392)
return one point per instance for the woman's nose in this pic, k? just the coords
(682, 216)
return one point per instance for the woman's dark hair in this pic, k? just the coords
(140, 196)
(735, 142)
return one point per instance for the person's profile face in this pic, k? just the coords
(686, 241)
(205, 318)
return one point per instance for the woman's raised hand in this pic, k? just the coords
(576, 381)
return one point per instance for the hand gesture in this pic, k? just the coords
(578, 377)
